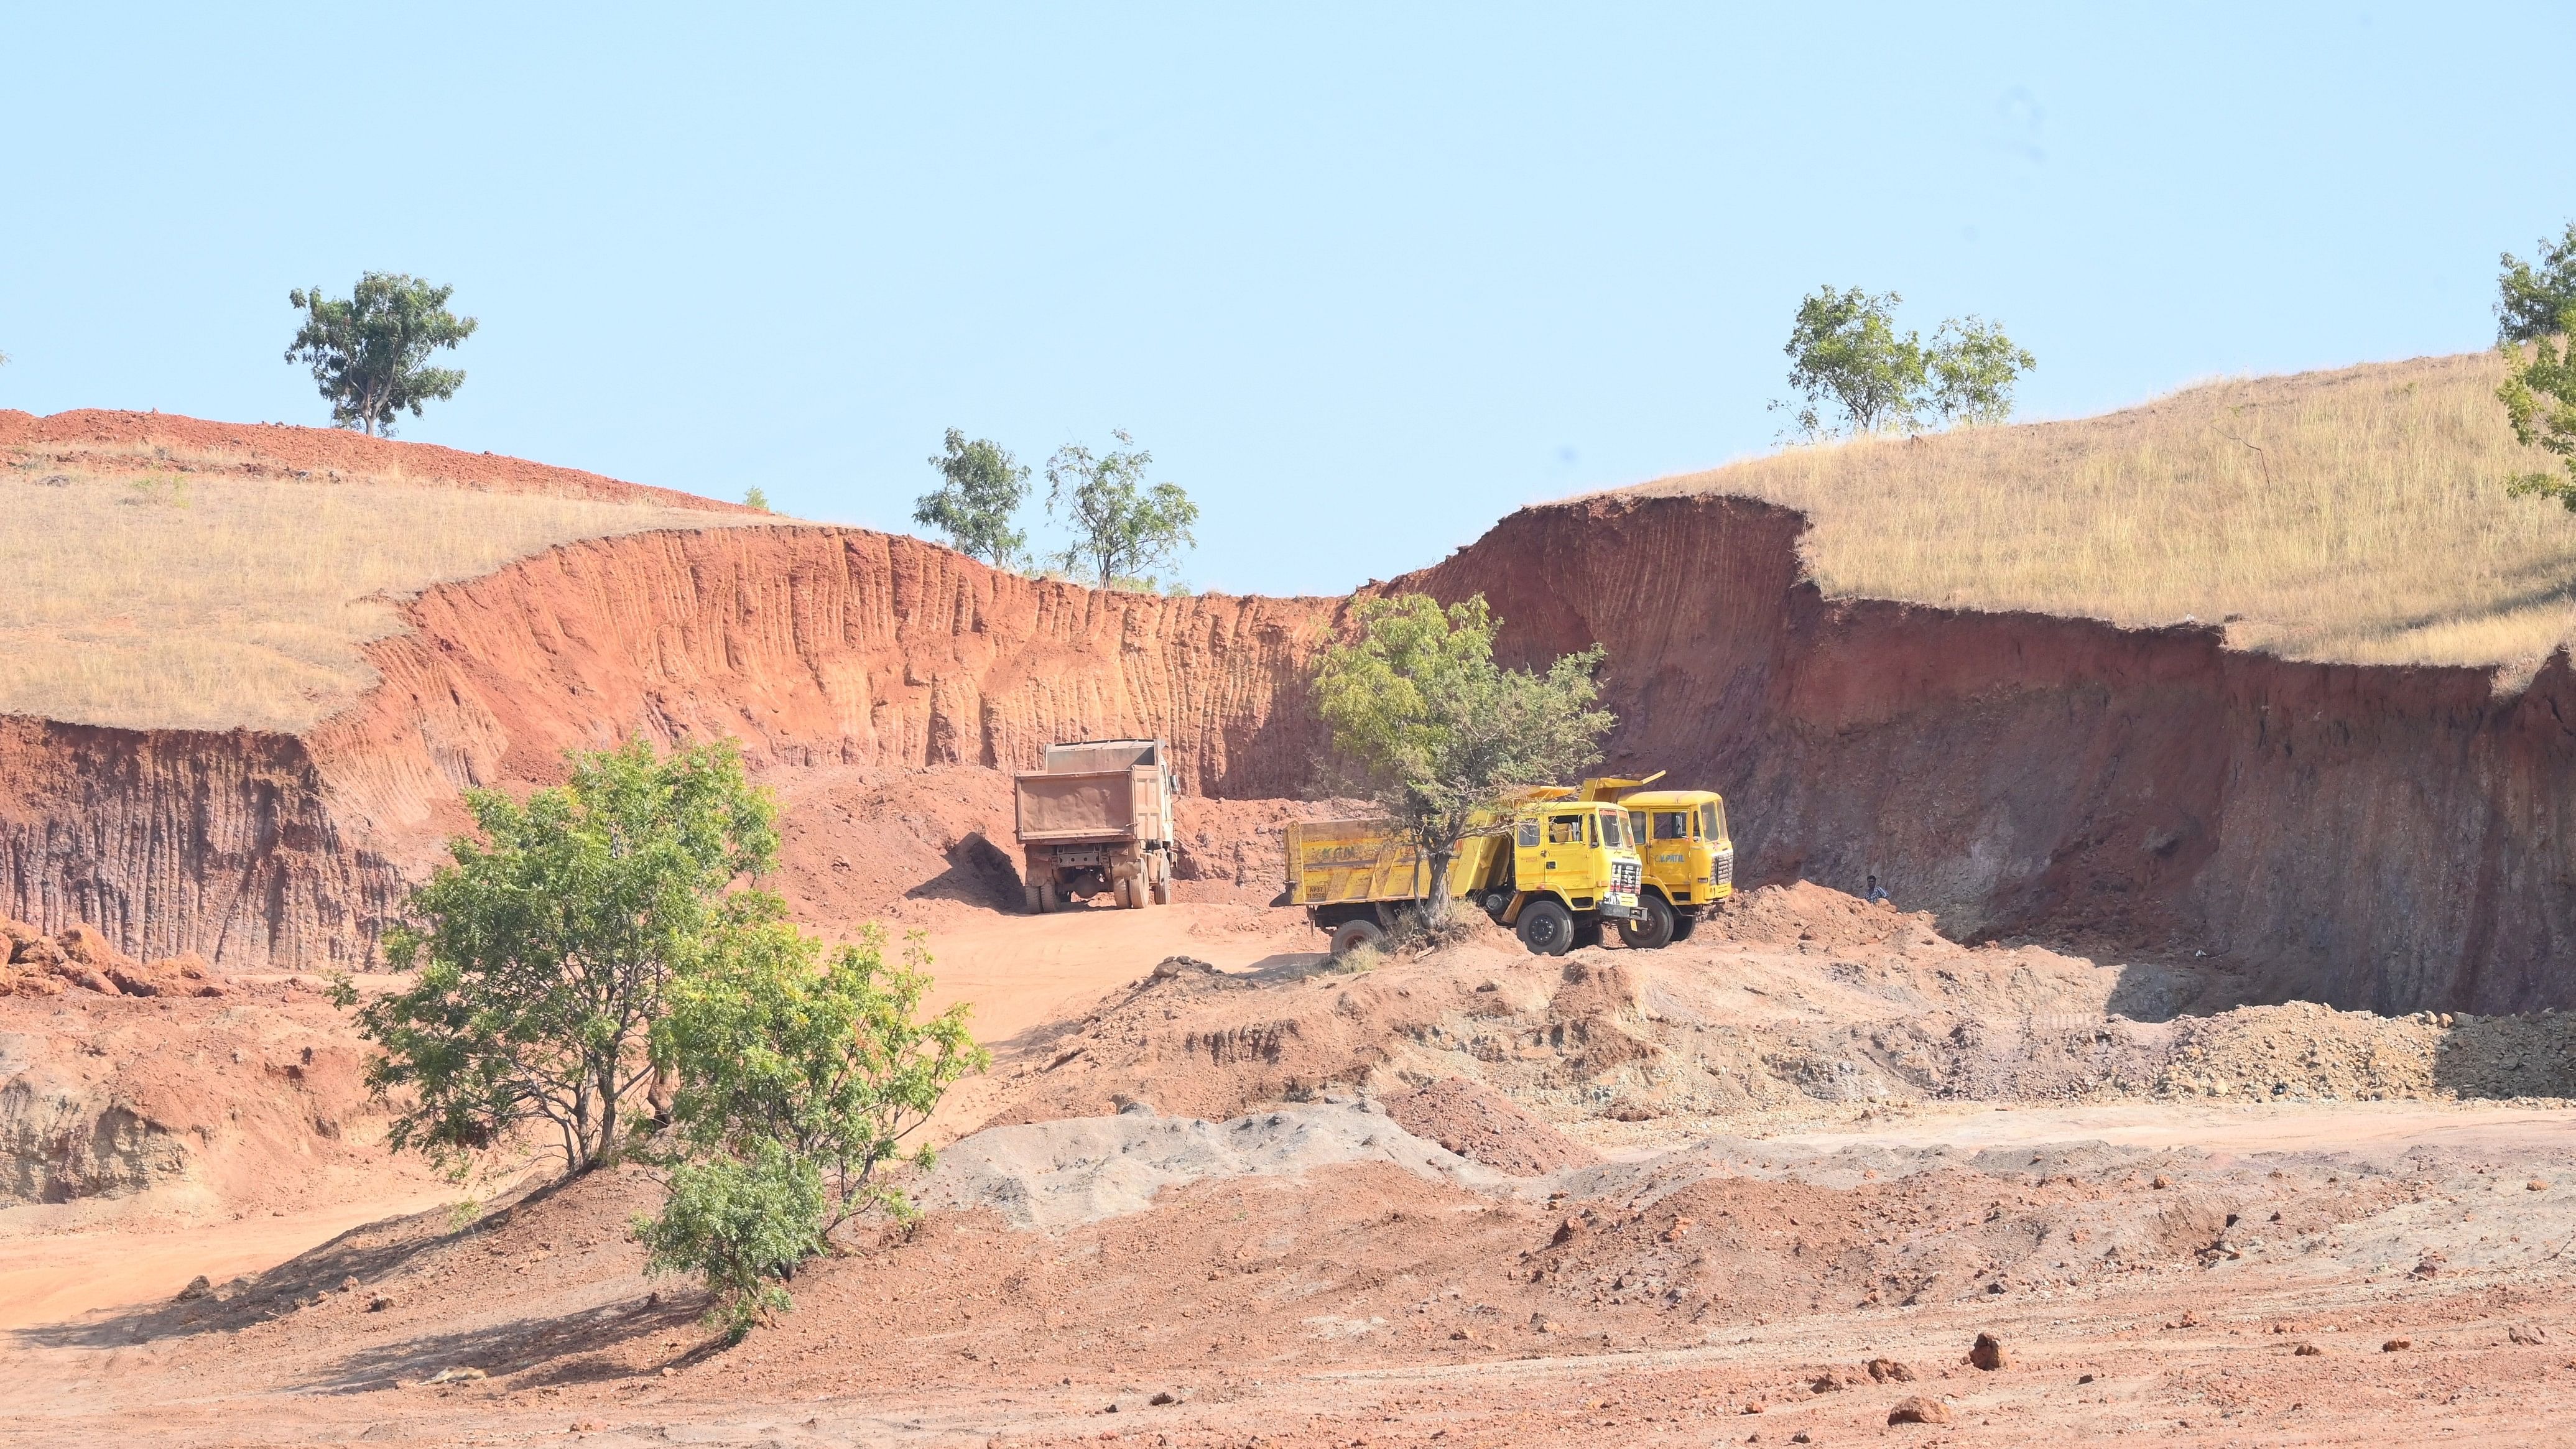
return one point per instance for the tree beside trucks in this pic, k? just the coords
(1096, 819)
(1553, 870)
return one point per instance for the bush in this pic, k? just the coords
(742, 1226)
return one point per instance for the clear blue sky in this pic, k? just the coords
(1364, 278)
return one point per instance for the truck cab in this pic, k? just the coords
(1575, 867)
(1689, 859)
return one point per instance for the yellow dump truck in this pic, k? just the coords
(1689, 858)
(1553, 870)
(1097, 820)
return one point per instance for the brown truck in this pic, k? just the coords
(1095, 820)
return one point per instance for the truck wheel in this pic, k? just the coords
(1683, 926)
(1048, 900)
(1036, 905)
(1587, 933)
(1547, 928)
(1349, 936)
(1652, 927)
(1162, 880)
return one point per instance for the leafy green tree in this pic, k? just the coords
(2531, 301)
(1973, 367)
(1437, 731)
(827, 1057)
(755, 497)
(546, 949)
(1122, 526)
(980, 487)
(1857, 373)
(1846, 357)
(2539, 397)
(742, 1225)
(370, 352)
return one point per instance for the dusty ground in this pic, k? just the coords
(1480, 1198)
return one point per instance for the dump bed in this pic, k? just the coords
(1103, 805)
(1367, 860)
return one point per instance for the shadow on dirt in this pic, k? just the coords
(979, 873)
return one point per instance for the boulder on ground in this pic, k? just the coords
(1988, 1353)
(1919, 1410)
(198, 1287)
(1890, 1371)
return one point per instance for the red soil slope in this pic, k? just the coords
(2383, 837)
(111, 439)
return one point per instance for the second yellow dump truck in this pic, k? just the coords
(1689, 858)
(1554, 870)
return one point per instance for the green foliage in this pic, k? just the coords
(1857, 373)
(742, 1225)
(545, 950)
(2539, 395)
(370, 353)
(160, 490)
(1121, 525)
(980, 487)
(2531, 302)
(774, 1043)
(753, 497)
(1973, 368)
(1436, 731)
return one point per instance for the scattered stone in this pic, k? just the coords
(379, 1303)
(1166, 1396)
(1890, 1371)
(1802, 1437)
(2397, 1345)
(1174, 968)
(2084, 1379)
(461, 1375)
(1988, 1353)
(2308, 1350)
(2161, 1182)
(2527, 1333)
(1919, 1410)
(198, 1287)
(2537, 1184)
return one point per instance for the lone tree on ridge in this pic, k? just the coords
(370, 352)
(980, 486)
(2536, 308)
(1437, 731)
(1122, 526)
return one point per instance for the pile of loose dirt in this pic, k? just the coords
(1475, 1121)
(2306, 1050)
(1083, 1169)
(81, 958)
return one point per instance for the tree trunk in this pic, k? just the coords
(1435, 911)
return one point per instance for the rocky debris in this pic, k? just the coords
(2397, 1345)
(1920, 1410)
(81, 957)
(1889, 1371)
(2308, 1350)
(2527, 1333)
(1988, 1353)
(198, 1287)
(1475, 1121)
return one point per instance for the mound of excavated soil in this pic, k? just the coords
(1475, 1121)
(1800, 1004)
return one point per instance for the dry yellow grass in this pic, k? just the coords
(152, 593)
(2358, 515)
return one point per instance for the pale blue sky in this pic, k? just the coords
(1363, 278)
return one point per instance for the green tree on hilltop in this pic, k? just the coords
(2531, 300)
(980, 487)
(1437, 731)
(370, 352)
(1857, 373)
(1122, 526)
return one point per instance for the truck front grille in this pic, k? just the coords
(1623, 875)
(1725, 868)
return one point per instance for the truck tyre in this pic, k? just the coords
(1048, 900)
(1652, 927)
(1683, 926)
(1037, 905)
(1547, 928)
(1349, 936)
(1162, 880)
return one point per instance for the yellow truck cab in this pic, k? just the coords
(1555, 870)
(1689, 858)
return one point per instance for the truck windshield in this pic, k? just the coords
(1712, 817)
(1672, 824)
(1614, 830)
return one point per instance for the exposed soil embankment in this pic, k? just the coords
(2383, 837)
(2380, 837)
